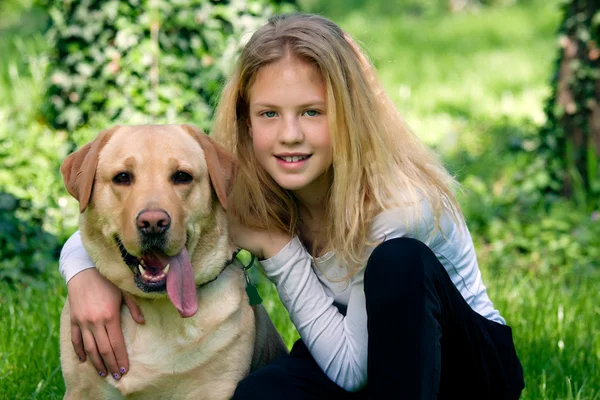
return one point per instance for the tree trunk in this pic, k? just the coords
(574, 112)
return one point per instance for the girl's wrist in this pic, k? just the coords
(274, 245)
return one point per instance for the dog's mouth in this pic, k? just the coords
(155, 271)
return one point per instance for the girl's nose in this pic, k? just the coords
(291, 132)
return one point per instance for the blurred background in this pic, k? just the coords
(506, 91)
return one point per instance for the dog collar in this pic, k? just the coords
(215, 278)
(245, 260)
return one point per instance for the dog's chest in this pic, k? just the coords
(215, 342)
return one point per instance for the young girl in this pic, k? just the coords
(356, 224)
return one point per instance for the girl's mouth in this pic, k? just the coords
(293, 159)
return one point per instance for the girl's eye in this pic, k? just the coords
(270, 114)
(311, 113)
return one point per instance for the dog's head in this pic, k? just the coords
(153, 202)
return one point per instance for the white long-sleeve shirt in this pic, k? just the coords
(328, 311)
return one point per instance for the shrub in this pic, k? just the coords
(144, 60)
(26, 250)
(514, 221)
(102, 69)
(562, 241)
(32, 197)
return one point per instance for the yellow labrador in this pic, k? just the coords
(152, 201)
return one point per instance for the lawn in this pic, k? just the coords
(469, 84)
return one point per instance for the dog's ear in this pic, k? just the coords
(222, 165)
(79, 168)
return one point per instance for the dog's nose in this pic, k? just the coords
(153, 221)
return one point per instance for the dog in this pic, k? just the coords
(153, 202)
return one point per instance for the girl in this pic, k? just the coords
(357, 225)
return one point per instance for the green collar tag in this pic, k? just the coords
(253, 296)
(246, 260)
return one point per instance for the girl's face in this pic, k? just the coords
(289, 127)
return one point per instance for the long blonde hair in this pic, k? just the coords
(378, 162)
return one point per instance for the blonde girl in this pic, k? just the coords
(356, 224)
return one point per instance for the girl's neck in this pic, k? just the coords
(314, 211)
(311, 225)
(312, 199)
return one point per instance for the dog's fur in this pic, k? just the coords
(129, 173)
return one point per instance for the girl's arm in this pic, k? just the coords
(95, 311)
(338, 343)
(73, 258)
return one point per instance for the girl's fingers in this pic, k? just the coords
(77, 341)
(117, 343)
(106, 352)
(134, 309)
(89, 343)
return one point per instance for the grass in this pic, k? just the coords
(556, 331)
(29, 351)
(455, 78)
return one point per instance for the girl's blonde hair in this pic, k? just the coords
(378, 162)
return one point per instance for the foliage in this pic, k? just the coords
(571, 134)
(25, 249)
(198, 41)
(511, 220)
(562, 241)
(144, 60)
(31, 193)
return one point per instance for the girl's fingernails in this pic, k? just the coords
(116, 376)
(80, 358)
(122, 370)
(100, 373)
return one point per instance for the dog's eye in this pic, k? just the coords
(122, 178)
(180, 177)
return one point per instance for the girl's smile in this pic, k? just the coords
(292, 160)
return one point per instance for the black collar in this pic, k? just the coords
(233, 260)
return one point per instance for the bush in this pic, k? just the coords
(514, 220)
(97, 69)
(559, 242)
(32, 197)
(26, 250)
(144, 60)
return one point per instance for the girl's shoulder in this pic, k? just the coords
(418, 220)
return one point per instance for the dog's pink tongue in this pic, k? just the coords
(181, 285)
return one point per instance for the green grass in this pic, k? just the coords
(29, 351)
(459, 80)
(556, 331)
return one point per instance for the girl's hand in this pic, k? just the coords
(96, 321)
(263, 244)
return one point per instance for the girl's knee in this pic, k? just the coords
(400, 260)
(399, 275)
(247, 388)
(266, 383)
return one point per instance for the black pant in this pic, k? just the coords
(425, 341)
